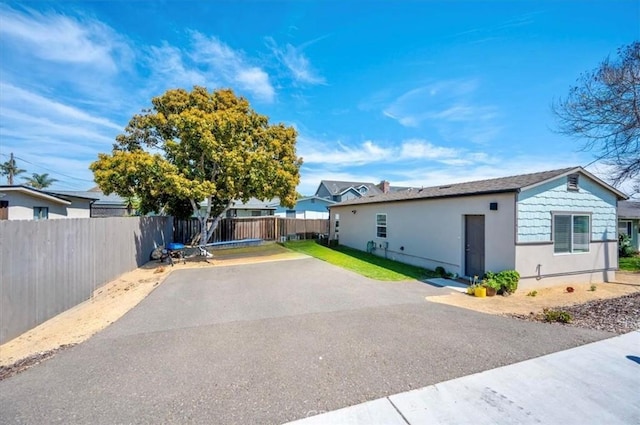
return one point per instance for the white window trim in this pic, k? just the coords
(572, 215)
(386, 226)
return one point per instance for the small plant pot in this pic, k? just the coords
(480, 292)
(491, 292)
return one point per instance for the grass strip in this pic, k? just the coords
(361, 262)
(630, 264)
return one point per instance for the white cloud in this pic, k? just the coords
(168, 64)
(296, 62)
(232, 65)
(64, 39)
(36, 105)
(411, 150)
(449, 107)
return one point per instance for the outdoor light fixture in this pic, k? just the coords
(354, 211)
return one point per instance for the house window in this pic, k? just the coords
(291, 214)
(337, 220)
(381, 225)
(363, 189)
(624, 228)
(256, 213)
(571, 233)
(40, 213)
(572, 182)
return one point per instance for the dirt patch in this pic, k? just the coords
(607, 303)
(111, 301)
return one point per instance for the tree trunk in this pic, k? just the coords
(206, 230)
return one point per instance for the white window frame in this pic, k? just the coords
(380, 227)
(572, 249)
(337, 223)
(628, 225)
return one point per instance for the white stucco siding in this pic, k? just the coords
(21, 206)
(536, 206)
(430, 233)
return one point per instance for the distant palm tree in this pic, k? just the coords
(10, 169)
(39, 181)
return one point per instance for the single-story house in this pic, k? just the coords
(252, 208)
(104, 205)
(311, 207)
(555, 226)
(629, 221)
(19, 202)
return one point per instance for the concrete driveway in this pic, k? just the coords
(269, 343)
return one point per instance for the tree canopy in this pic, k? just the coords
(603, 111)
(39, 181)
(10, 169)
(200, 146)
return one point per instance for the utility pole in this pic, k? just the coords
(12, 167)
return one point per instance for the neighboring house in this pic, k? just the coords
(340, 191)
(556, 226)
(311, 207)
(105, 205)
(629, 221)
(20, 202)
(252, 208)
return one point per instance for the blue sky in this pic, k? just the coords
(419, 93)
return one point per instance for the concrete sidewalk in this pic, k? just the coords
(596, 383)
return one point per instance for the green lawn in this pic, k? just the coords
(631, 264)
(366, 264)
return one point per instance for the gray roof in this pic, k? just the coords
(337, 187)
(499, 185)
(253, 204)
(628, 209)
(101, 198)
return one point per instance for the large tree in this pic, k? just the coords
(603, 111)
(200, 146)
(39, 181)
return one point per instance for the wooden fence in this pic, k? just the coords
(49, 266)
(266, 228)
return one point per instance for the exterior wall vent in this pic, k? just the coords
(572, 182)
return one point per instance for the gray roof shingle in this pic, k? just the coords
(628, 209)
(337, 187)
(503, 184)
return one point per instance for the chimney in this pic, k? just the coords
(384, 186)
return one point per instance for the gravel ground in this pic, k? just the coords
(619, 315)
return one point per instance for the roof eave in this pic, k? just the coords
(35, 193)
(426, 198)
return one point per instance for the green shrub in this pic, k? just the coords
(625, 249)
(593, 288)
(505, 281)
(532, 293)
(440, 271)
(559, 316)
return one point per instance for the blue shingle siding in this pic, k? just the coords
(536, 205)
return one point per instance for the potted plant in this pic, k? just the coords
(492, 285)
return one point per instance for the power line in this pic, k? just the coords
(48, 169)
